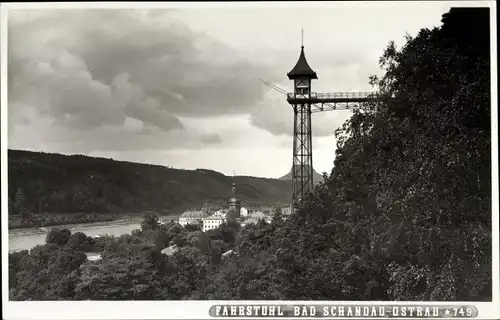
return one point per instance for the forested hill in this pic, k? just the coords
(57, 183)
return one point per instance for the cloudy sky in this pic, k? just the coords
(181, 87)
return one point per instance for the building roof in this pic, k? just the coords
(214, 217)
(93, 256)
(219, 214)
(258, 215)
(302, 68)
(170, 250)
(251, 221)
(194, 214)
(225, 254)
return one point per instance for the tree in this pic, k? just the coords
(277, 220)
(119, 278)
(80, 241)
(438, 188)
(193, 227)
(48, 272)
(226, 232)
(150, 221)
(186, 272)
(161, 238)
(412, 173)
(21, 205)
(15, 265)
(180, 239)
(200, 241)
(58, 236)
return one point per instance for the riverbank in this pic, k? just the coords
(27, 239)
(46, 220)
(43, 230)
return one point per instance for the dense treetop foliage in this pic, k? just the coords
(95, 189)
(132, 266)
(404, 215)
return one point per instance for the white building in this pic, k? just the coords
(192, 217)
(243, 212)
(286, 211)
(212, 222)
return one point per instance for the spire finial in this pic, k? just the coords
(302, 42)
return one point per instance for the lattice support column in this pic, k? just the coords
(302, 169)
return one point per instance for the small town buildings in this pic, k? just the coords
(255, 217)
(221, 213)
(192, 217)
(249, 221)
(259, 215)
(286, 211)
(212, 222)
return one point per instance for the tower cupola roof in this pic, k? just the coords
(302, 68)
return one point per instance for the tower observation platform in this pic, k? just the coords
(331, 100)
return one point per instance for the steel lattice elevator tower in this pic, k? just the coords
(300, 99)
(305, 102)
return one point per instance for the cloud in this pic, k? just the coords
(111, 78)
(132, 135)
(147, 70)
(144, 84)
(211, 138)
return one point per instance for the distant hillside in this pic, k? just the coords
(317, 178)
(55, 183)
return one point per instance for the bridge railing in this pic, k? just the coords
(347, 95)
(332, 95)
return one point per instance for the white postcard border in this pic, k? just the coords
(200, 309)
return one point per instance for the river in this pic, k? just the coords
(25, 239)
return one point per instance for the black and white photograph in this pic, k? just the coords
(253, 151)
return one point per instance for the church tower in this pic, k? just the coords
(234, 204)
